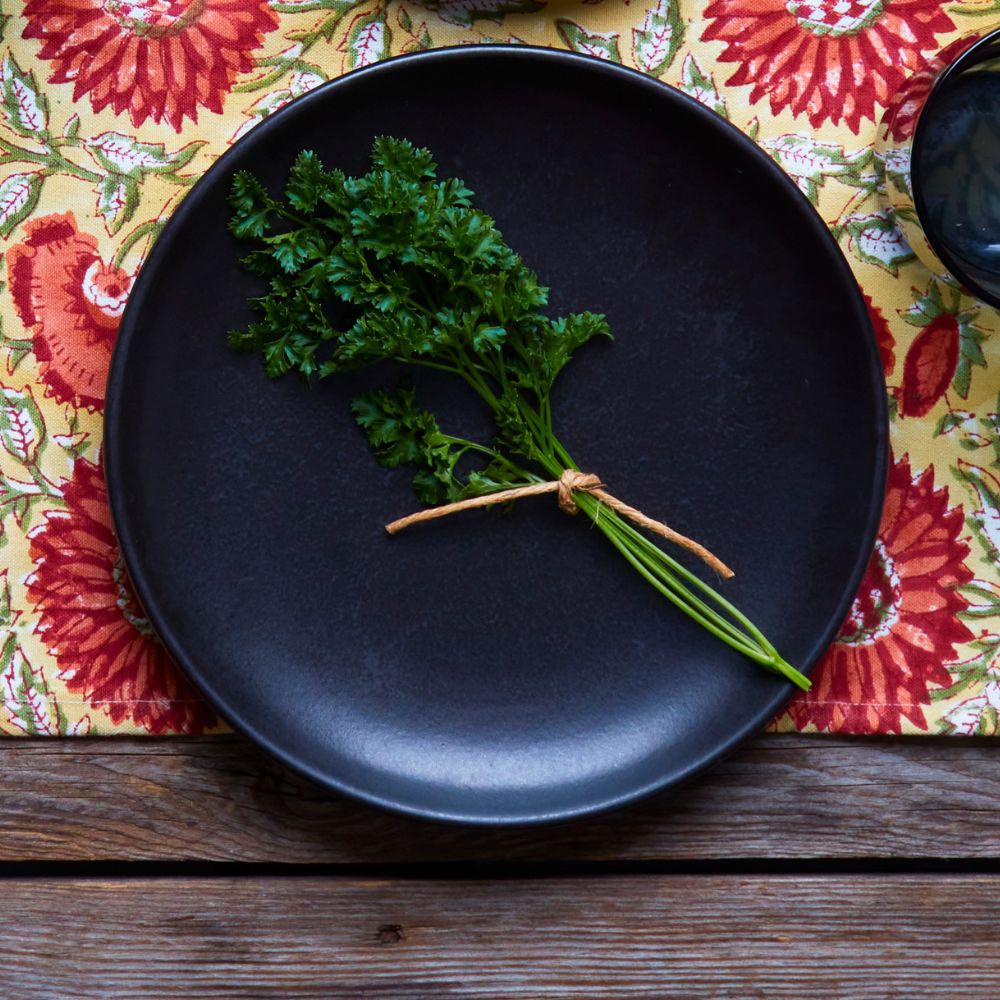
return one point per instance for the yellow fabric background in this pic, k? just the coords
(317, 39)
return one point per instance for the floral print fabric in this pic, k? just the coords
(111, 109)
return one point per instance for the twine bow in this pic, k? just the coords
(571, 481)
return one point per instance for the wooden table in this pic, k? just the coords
(803, 867)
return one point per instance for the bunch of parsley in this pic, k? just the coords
(430, 282)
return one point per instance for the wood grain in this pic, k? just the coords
(861, 938)
(218, 799)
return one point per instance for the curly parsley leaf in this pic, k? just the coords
(400, 433)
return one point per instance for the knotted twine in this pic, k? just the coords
(569, 482)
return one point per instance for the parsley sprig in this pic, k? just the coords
(429, 282)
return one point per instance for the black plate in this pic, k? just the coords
(496, 668)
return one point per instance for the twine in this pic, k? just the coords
(565, 486)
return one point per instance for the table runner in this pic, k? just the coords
(111, 109)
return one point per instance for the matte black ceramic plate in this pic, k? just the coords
(510, 667)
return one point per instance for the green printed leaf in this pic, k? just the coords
(307, 77)
(20, 498)
(25, 107)
(984, 600)
(892, 403)
(950, 420)
(26, 696)
(7, 615)
(862, 171)
(498, 40)
(420, 37)
(18, 198)
(978, 715)
(74, 442)
(261, 108)
(18, 348)
(972, 443)
(876, 239)
(702, 87)
(601, 46)
(970, 354)
(896, 166)
(991, 424)
(984, 521)
(656, 42)
(368, 40)
(72, 127)
(127, 156)
(22, 428)
(808, 162)
(926, 308)
(117, 200)
(21, 509)
(423, 39)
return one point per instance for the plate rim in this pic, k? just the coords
(114, 461)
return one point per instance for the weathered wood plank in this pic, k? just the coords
(219, 799)
(863, 938)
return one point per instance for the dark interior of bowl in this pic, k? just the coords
(955, 168)
(509, 667)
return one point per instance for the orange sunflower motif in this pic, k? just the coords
(903, 626)
(832, 59)
(157, 59)
(91, 622)
(71, 302)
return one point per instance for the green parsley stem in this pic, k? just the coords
(684, 573)
(423, 363)
(629, 553)
(657, 567)
(622, 536)
(664, 572)
(527, 477)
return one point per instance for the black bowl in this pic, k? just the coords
(955, 168)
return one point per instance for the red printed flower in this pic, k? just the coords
(70, 301)
(942, 355)
(929, 367)
(883, 336)
(158, 59)
(832, 59)
(903, 626)
(91, 622)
